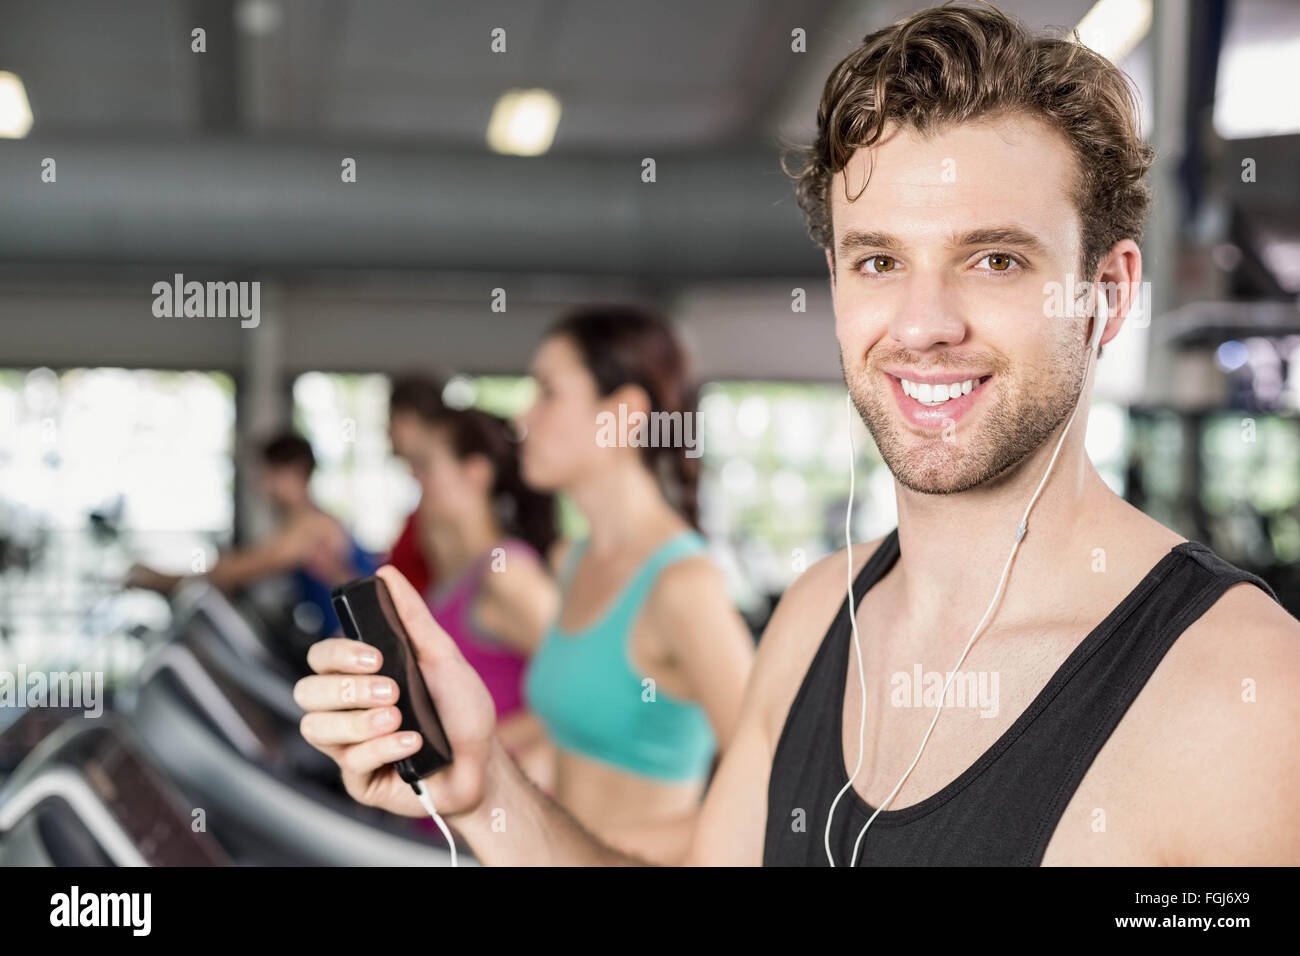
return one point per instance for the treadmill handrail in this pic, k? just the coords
(195, 678)
(70, 786)
(233, 626)
(266, 686)
(185, 600)
(189, 751)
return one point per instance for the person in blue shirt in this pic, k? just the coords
(309, 545)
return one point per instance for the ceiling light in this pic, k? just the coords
(15, 112)
(523, 122)
(258, 17)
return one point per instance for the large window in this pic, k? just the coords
(100, 467)
(775, 480)
(345, 417)
(1250, 487)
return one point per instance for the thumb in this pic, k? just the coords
(431, 642)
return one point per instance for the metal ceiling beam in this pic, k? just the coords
(265, 205)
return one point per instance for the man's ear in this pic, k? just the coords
(1120, 280)
(830, 264)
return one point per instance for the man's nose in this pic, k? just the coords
(927, 316)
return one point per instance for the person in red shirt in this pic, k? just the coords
(408, 555)
(414, 399)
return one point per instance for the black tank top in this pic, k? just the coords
(1003, 809)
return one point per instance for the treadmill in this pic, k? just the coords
(88, 795)
(224, 725)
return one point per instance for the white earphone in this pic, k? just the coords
(1094, 346)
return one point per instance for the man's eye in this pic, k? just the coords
(999, 261)
(881, 264)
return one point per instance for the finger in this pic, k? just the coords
(324, 727)
(366, 758)
(335, 692)
(430, 640)
(338, 655)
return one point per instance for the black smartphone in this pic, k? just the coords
(366, 613)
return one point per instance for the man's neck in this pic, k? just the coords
(953, 548)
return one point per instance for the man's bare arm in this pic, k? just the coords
(515, 824)
(1230, 792)
(483, 794)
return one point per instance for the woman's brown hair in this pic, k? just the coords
(522, 512)
(626, 345)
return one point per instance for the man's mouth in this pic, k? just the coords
(935, 400)
(933, 394)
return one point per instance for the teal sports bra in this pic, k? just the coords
(583, 687)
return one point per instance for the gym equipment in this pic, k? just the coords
(226, 729)
(88, 795)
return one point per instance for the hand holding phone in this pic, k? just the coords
(366, 613)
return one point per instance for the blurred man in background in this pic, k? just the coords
(310, 545)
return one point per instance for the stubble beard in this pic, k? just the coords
(1027, 409)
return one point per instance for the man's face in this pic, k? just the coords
(939, 273)
(284, 486)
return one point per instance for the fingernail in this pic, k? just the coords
(367, 658)
(381, 690)
(409, 740)
(382, 719)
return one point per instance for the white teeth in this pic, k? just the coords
(932, 395)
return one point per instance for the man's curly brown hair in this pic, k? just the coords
(951, 64)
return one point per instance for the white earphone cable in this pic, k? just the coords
(426, 801)
(853, 620)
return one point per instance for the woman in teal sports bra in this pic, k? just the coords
(639, 680)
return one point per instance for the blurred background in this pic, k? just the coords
(125, 437)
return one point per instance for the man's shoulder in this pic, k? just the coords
(799, 624)
(1245, 639)
(1229, 733)
(810, 603)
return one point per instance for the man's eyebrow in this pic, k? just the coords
(1002, 236)
(870, 238)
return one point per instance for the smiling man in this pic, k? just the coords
(963, 170)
